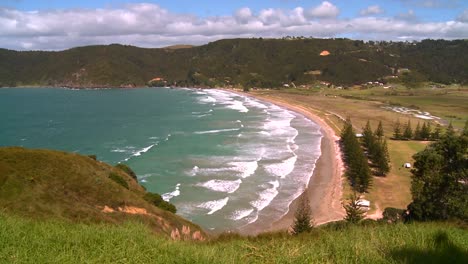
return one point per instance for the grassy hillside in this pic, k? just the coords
(239, 62)
(26, 241)
(46, 184)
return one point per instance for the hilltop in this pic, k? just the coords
(54, 185)
(260, 62)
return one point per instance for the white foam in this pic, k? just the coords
(266, 196)
(246, 168)
(167, 138)
(221, 185)
(168, 196)
(240, 214)
(282, 169)
(265, 133)
(215, 131)
(214, 205)
(141, 151)
(207, 100)
(194, 171)
(227, 99)
(255, 103)
(237, 105)
(127, 149)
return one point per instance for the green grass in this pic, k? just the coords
(26, 241)
(47, 184)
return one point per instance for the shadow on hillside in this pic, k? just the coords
(442, 251)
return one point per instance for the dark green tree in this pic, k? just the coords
(379, 132)
(382, 159)
(357, 169)
(439, 182)
(354, 213)
(426, 131)
(303, 221)
(437, 132)
(397, 130)
(408, 133)
(417, 132)
(367, 136)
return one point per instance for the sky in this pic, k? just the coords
(59, 24)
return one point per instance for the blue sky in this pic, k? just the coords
(55, 25)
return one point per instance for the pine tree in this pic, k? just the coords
(357, 172)
(379, 132)
(383, 159)
(425, 131)
(303, 221)
(437, 131)
(417, 132)
(354, 213)
(408, 133)
(397, 130)
(367, 136)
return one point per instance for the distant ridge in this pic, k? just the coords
(266, 63)
(180, 46)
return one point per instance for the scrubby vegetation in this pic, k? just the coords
(242, 63)
(127, 170)
(156, 200)
(46, 184)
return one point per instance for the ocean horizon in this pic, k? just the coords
(225, 160)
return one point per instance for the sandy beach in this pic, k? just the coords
(325, 186)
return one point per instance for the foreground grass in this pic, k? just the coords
(27, 241)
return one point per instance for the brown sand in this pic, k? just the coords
(325, 186)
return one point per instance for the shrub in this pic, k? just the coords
(118, 179)
(94, 157)
(127, 170)
(393, 215)
(158, 201)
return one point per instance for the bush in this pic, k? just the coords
(158, 201)
(393, 215)
(118, 179)
(94, 157)
(127, 170)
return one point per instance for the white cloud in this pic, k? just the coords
(408, 16)
(243, 15)
(324, 10)
(463, 17)
(371, 10)
(148, 25)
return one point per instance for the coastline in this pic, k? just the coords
(325, 185)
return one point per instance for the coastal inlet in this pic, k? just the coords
(225, 160)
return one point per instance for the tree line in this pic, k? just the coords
(424, 132)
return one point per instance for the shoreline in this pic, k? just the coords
(324, 189)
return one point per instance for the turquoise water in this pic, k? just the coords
(224, 160)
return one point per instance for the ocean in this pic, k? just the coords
(223, 159)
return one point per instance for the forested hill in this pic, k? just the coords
(240, 62)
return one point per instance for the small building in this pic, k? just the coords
(407, 165)
(324, 53)
(359, 135)
(364, 204)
